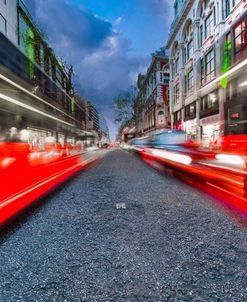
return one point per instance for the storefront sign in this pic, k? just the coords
(235, 115)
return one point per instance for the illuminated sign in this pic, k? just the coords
(226, 63)
(235, 115)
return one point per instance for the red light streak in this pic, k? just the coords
(19, 192)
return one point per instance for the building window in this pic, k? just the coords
(177, 116)
(167, 94)
(210, 66)
(206, 2)
(172, 70)
(240, 37)
(190, 111)
(48, 65)
(176, 66)
(210, 101)
(165, 78)
(190, 50)
(161, 117)
(209, 25)
(189, 82)
(59, 77)
(42, 54)
(202, 72)
(176, 93)
(225, 9)
(227, 53)
(3, 25)
(201, 35)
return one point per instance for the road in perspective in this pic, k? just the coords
(121, 231)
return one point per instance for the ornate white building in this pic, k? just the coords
(8, 19)
(204, 43)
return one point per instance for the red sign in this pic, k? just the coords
(235, 115)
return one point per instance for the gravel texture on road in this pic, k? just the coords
(164, 241)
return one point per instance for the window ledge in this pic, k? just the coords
(211, 36)
(188, 64)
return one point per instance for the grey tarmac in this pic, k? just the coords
(121, 231)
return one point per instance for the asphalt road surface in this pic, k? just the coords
(121, 231)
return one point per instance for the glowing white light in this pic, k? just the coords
(24, 135)
(7, 161)
(243, 84)
(50, 140)
(176, 157)
(231, 159)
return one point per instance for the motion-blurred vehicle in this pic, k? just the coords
(223, 169)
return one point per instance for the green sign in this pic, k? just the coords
(226, 63)
(73, 105)
(29, 35)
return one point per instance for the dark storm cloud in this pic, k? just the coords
(69, 26)
(104, 61)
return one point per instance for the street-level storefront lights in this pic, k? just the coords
(176, 157)
(212, 97)
(208, 129)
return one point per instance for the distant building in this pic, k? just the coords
(93, 117)
(104, 136)
(128, 133)
(152, 102)
(45, 101)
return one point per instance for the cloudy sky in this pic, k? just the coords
(107, 41)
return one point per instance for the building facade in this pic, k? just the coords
(104, 136)
(36, 87)
(152, 103)
(207, 43)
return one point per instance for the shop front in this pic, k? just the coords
(210, 131)
(190, 127)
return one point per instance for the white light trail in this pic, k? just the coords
(16, 102)
(179, 158)
(231, 159)
(243, 84)
(32, 94)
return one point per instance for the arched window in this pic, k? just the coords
(175, 56)
(188, 40)
(225, 9)
(207, 15)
